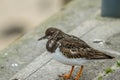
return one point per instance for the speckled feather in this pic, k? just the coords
(71, 46)
(75, 49)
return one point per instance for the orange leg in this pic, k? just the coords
(79, 73)
(67, 76)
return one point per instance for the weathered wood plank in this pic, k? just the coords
(32, 67)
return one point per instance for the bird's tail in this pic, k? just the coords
(108, 56)
(101, 55)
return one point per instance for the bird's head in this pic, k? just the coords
(50, 33)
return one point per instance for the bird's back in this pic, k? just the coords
(73, 47)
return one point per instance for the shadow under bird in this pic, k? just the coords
(70, 50)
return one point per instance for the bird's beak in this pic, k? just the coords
(44, 37)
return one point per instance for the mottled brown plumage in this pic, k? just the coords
(71, 46)
(70, 50)
(79, 49)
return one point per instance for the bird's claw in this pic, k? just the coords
(65, 76)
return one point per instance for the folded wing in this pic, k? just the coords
(76, 48)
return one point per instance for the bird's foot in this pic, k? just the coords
(76, 79)
(65, 76)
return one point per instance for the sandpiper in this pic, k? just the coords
(70, 50)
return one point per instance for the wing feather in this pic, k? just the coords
(76, 48)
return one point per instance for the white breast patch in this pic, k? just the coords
(68, 61)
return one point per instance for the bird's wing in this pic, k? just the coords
(72, 48)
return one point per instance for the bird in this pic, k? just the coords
(70, 50)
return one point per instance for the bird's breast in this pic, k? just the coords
(51, 46)
(57, 55)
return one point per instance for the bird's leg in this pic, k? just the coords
(67, 76)
(79, 73)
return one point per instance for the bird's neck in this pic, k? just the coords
(51, 45)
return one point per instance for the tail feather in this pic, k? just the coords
(101, 55)
(109, 57)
